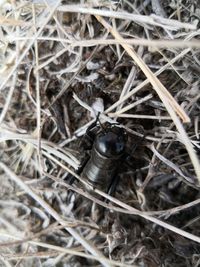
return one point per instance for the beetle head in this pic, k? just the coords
(111, 142)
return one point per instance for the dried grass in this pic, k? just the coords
(61, 63)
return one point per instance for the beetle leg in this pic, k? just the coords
(113, 185)
(70, 178)
(88, 138)
(93, 125)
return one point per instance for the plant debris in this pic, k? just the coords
(66, 66)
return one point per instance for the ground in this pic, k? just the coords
(65, 66)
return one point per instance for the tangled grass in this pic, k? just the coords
(137, 64)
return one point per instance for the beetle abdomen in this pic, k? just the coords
(106, 153)
(100, 170)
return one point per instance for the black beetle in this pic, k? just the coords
(107, 151)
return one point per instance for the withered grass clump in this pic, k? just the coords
(136, 63)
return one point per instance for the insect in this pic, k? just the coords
(107, 151)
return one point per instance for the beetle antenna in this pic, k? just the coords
(98, 120)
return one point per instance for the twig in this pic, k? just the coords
(152, 20)
(138, 116)
(94, 42)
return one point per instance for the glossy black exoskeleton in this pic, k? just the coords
(107, 153)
